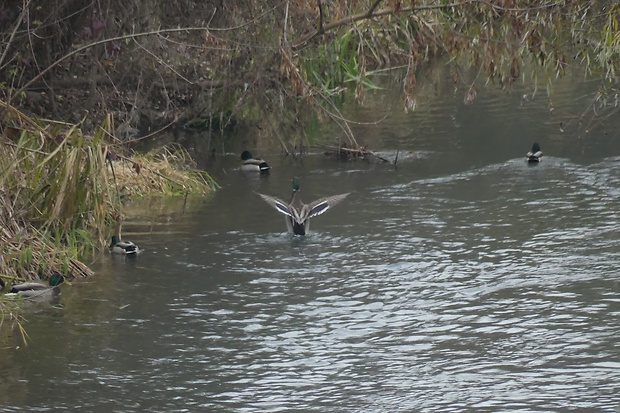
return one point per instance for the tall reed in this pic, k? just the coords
(61, 190)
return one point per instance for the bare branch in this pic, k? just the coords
(19, 21)
(320, 16)
(373, 7)
(364, 16)
(104, 41)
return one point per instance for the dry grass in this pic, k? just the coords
(27, 253)
(61, 191)
(168, 171)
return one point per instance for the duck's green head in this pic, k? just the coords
(245, 155)
(115, 240)
(295, 184)
(56, 279)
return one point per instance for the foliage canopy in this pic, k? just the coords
(155, 64)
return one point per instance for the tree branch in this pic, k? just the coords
(364, 16)
(373, 7)
(90, 45)
(19, 22)
(320, 16)
(117, 38)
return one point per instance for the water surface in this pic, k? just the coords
(459, 280)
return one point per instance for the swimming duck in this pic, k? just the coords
(297, 213)
(122, 247)
(39, 290)
(251, 164)
(535, 154)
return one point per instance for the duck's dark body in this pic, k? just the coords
(535, 155)
(298, 229)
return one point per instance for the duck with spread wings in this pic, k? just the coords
(297, 213)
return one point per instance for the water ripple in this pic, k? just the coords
(478, 293)
(493, 289)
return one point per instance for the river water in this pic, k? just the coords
(461, 279)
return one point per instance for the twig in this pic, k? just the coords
(365, 15)
(19, 21)
(285, 23)
(373, 7)
(279, 138)
(113, 39)
(175, 120)
(162, 62)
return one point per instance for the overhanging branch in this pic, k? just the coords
(323, 28)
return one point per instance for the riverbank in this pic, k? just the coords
(63, 191)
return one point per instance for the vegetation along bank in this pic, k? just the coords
(81, 83)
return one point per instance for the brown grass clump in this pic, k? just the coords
(167, 171)
(61, 191)
(28, 254)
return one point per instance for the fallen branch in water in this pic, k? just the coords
(347, 154)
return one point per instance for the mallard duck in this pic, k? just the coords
(297, 213)
(251, 164)
(122, 247)
(535, 155)
(39, 290)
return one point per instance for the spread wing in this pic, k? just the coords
(321, 205)
(278, 204)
